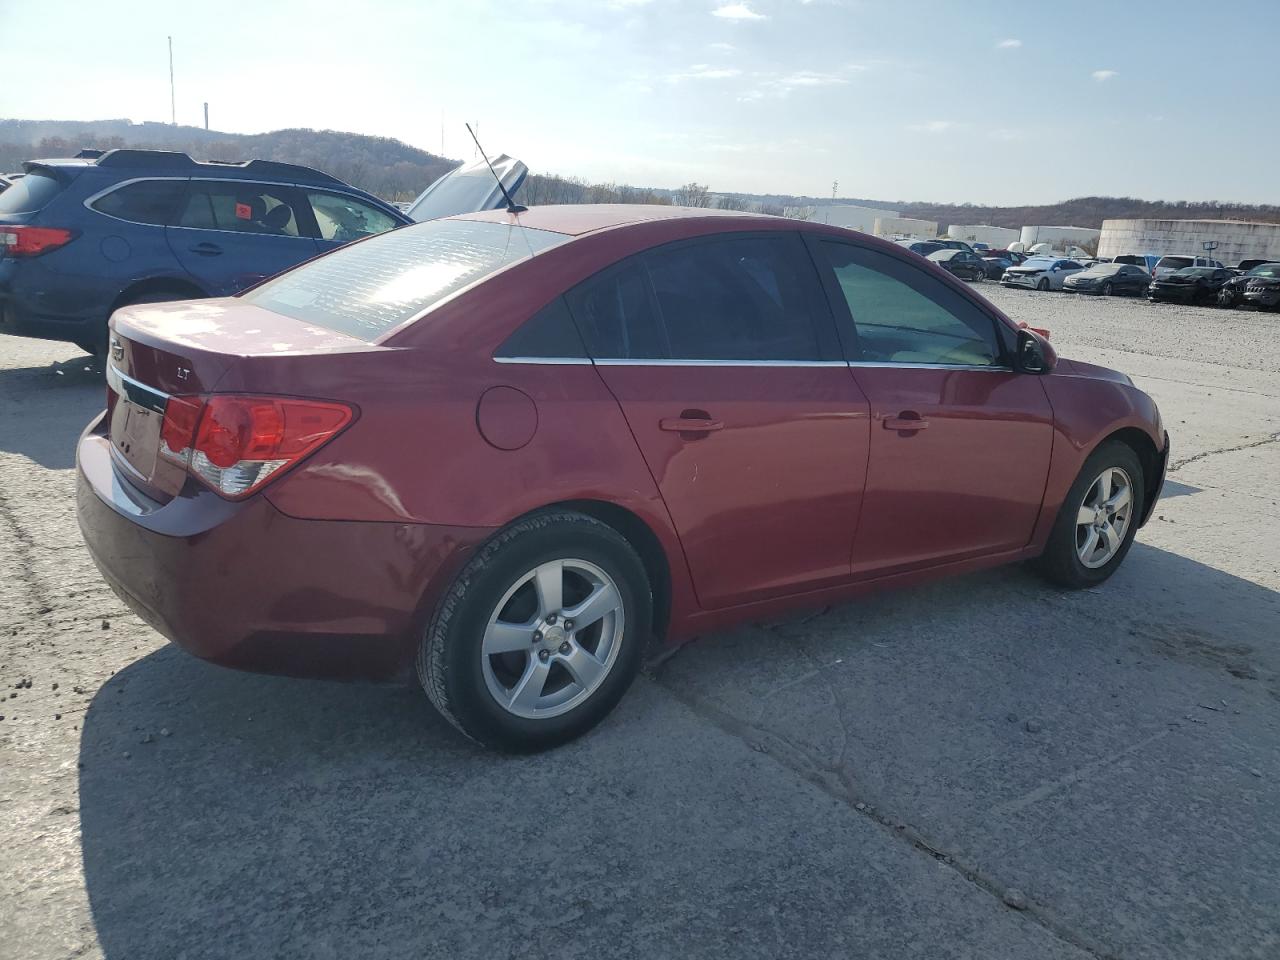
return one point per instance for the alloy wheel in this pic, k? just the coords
(552, 639)
(1103, 518)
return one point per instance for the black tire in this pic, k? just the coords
(1060, 563)
(1043, 285)
(1226, 300)
(97, 345)
(450, 662)
(1107, 289)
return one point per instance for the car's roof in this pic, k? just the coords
(142, 162)
(577, 219)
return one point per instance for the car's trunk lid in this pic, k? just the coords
(165, 350)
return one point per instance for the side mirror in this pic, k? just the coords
(1035, 355)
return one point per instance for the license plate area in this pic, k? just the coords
(137, 416)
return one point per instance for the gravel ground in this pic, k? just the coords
(980, 768)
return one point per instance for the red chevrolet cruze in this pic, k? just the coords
(507, 450)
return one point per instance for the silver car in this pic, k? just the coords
(1040, 273)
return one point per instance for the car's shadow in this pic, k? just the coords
(224, 814)
(61, 397)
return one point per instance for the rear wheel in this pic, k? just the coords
(97, 345)
(540, 635)
(1098, 520)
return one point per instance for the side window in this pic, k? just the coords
(242, 207)
(145, 201)
(724, 298)
(751, 298)
(548, 335)
(342, 218)
(903, 315)
(616, 313)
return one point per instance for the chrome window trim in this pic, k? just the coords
(719, 363)
(90, 200)
(549, 361)
(135, 391)
(905, 365)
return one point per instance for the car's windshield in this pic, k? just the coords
(1039, 263)
(1265, 270)
(1103, 269)
(369, 288)
(943, 254)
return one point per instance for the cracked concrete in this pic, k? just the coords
(871, 780)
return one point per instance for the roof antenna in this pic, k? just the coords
(512, 206)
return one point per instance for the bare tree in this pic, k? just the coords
(692, 195)
(726, 202)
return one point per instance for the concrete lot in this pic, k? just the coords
(872, 781)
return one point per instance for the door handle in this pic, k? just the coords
(690, 422)
(206, 249)
(906, 422)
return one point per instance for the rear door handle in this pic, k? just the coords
(206, 249)
(687, 424)
(906, 422)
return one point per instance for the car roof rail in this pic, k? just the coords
(88, 154)
(173, 160)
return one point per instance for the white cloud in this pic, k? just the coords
(737, 12)
(809, 78)
(703, 71)
(1102, 76)
(724, 47)
(932, 126)
(1009, 44)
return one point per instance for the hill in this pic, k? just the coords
(397, 171)
(381, 165)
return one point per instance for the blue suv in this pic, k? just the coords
(80, 237)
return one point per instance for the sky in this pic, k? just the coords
(983, 102)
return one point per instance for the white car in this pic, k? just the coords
(1040, 273)
(1167, 265)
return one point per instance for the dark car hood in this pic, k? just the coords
(1078, 368)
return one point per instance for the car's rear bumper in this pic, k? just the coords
(246, 586)
(37, 302)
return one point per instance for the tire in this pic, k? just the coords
(1043, 285)
(1063, 561)
(494, 598)
(98, 345)
(1226, 300)
(1107, 289)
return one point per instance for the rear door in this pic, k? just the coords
(959, 442)
(722, 354)
(229, 234)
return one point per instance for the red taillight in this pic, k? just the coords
(235, 444)
(19, 241)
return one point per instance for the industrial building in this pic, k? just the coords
(1058, 238)
(904, 227)
(1229, 241)
(996, 237)
(848, 215)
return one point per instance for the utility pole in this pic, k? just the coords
(173, 103)
(206, 114)
(835, 185)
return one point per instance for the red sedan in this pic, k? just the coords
(507, 450)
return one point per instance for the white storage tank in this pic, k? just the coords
(905, 227)
(1234, 240)
(849, 215)
(1059, 238)
(998, 238)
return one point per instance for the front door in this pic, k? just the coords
(229, 234)
(960, 443)
(722, 354)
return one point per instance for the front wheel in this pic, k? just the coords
(540, 635)
(1043, 284)
(1225, 299)
(1098, 520)
(1107, 289)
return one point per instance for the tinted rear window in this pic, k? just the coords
(146, 201)
(366, 289)
(30, 193)
(1176, 263)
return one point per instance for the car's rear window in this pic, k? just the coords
(373, 286)
(1176, 263)
(30, 193)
